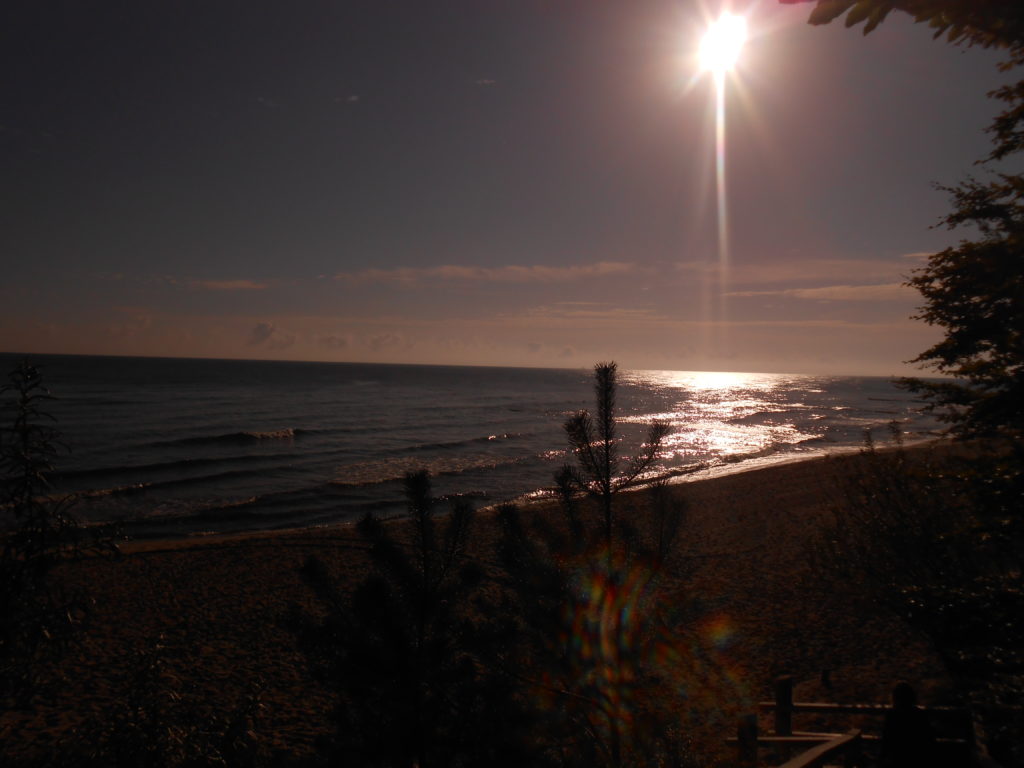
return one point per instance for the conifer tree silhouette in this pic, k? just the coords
(412, 663)
(592, 439)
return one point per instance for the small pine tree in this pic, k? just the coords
(585, 597)
(413, 663)
(38, 531)
(599, 472)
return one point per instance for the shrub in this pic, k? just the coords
(38, 531)
(938, 541)
(415, 667)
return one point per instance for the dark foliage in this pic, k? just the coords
(992, 23)
(38, 530)
(592, 439)
(940, 543)
(551, 659)
(973, 290)
(975, 293)
(158, 722)
(417, 671)
(584, 594)
(589, 641)
(946, 546)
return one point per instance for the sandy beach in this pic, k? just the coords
(219, 609)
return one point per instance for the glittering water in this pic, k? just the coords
(188, 446)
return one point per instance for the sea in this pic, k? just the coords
(190, 447)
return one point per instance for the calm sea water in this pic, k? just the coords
(175, 446)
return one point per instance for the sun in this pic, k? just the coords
(722, 43)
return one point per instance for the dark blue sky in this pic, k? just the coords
(482, 182)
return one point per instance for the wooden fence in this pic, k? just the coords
(818, 749)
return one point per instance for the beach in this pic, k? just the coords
(220, 609)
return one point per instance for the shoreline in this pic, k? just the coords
(532, 501)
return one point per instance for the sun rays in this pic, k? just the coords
(718, 54)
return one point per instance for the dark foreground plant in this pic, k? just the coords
(38, 530)
(972, 291)
(561, 653)
(594, 644)
(599, 472)
(592, 632)
(412, 657)
(939, 542)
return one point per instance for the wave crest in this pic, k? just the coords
(236, 438)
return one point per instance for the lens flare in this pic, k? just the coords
(719, 51)
(625, 653)
(719, 631)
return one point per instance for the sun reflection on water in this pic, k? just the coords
(722, 415)
(709, 380)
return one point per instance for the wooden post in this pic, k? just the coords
(854, 757)
(783, 713)
(746, 737)
(783, 706)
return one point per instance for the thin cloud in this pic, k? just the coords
(226, 285)
(198, 284)
(379, 341)
(589, 311)
(883, 292)
(334, 341)
(486, 82)
(512, 273)
(260, 333)
(793, 271)
(268, 335)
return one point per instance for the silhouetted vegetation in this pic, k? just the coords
(417, 669)
(38, 530)
(939, 541)
(994, 23)
(973, 290)
(591, 631)
(549, 656)
(944, 544)
(593, 442)
(590, 642)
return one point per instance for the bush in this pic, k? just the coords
(939, 542)
(38, 531)
(416, 668)
(591, 629)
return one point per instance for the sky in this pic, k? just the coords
(481, 182)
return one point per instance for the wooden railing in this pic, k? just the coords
(821, 748)
(847, 746)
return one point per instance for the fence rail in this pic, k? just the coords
(821, 747)
(847, 746)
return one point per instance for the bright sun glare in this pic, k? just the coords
(722, 43)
